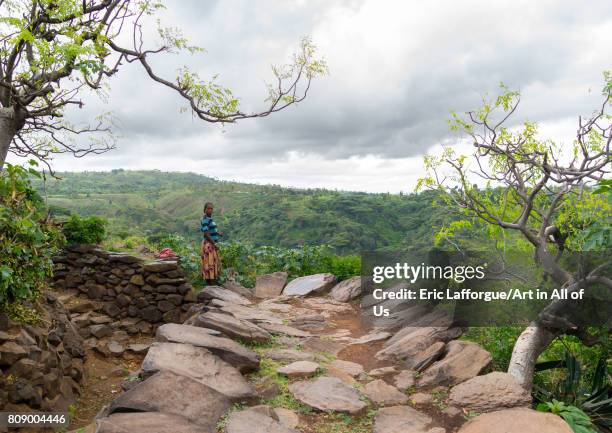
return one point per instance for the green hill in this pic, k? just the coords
(153, 203)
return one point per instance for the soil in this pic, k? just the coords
(102, 383)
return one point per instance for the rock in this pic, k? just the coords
(151, 314)
(172, 316)
(299, 369)
(146, 422)
(115, 348)
(382, 371)
(198, 364)
(404, 380)
(247, 313)
(270, 285)
(275, 328)
(452, 411)
(287, 417)
(138, 348)
(462, 361)
(411, 342)
(228, 350)
(100, 320)
(346, 290)
(137, 280)
(156, 280)
(436, 430)
(351, 368)
(251, 421)
(383, 394)
(177, 395)
(371, 337)
(289, 355)
(420, 398)
(82, 306)
(237, 288)
(101, 331)
(401, 419)
(493, 391)
(309, 322)
(320, 345)
(326, 305)
(516, 421)
(111, 309)
(216, 292)
(10, 353)
(424, 359)
(232, 327)
(160, 266)
(311, 284)
(328, 394)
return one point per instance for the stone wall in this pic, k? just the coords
(41, 365)
(124, 286)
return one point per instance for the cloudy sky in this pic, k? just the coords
(396, 70)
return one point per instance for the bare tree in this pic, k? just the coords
(53, 50)
(534, 180)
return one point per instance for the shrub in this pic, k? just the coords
(85, 230)
(27, 239)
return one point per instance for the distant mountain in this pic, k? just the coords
(150, 203)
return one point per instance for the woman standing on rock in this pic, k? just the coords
(211, 265)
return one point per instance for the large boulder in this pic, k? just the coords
(270, 285)
(328, 394)
(491, 392)
(237, 288)
(402, 419)
(215, 292)
(198, 364)
(346, 290)
(412, 342)
(516, 421)
(170, 393)
(275, 328)
(462, 361)
(231, 326)
(247, 313)
(311, 284)
(228, 350)
(253, 420)
(383, 394)
(147, 422)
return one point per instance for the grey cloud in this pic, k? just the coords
(390, 99)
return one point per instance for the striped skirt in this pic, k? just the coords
(211, 265)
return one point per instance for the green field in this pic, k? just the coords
(153, 203)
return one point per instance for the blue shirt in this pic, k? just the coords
(210, 227)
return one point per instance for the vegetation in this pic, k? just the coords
(153, 204)
(27, 240)
(540, 198)
(88, 230)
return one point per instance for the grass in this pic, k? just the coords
(344, 423)
(222, 423)
(268, 369)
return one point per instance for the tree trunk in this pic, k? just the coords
(528, 347)
(8, 129)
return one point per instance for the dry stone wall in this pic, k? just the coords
(126, 288)
(41, 366)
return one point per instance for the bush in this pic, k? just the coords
(27, 239)
(87, 230)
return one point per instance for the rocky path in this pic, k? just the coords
(304, 363)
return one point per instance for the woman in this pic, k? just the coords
(211, 265)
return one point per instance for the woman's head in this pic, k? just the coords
(208, 208)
